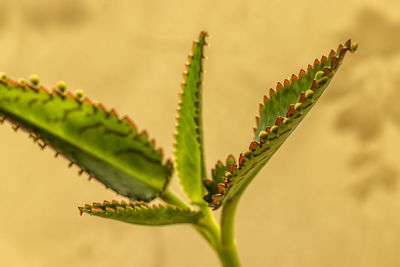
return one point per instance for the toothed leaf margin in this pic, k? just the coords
(188, 148)
(280, 114)
(141, 213)
(104, 146)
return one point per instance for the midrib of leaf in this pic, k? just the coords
(90, 151)
(127, 183)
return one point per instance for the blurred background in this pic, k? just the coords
(329, 197)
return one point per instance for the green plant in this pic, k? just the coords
(113, 151)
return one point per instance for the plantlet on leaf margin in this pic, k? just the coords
(112, 150)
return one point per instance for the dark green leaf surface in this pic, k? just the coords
(280, 114)
(189, 155)
(217, 174)
(140, 213)
(106, 147)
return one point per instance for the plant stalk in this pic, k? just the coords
(229, 255)
(207, 226)
(171, 198)
(221, 240)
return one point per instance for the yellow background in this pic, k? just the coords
(329, 197)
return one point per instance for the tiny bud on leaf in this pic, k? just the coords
(274, 129)
(263, 135)
(79, 93)
(34, 79)
(298, 106)
(309, 94)
(247, 154)
(62, 86)
(318, 75)
(287, 121)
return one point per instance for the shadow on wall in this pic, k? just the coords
(4, 15)
(366, 95)
(40, 16)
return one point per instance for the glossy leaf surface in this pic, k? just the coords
(106, 147)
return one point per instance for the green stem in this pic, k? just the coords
(171, 198)
(228, 242)
(207, 226)
(224, 245)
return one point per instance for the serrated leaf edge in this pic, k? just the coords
(131, 208)
(43, 144)
(208, 183)
(282, 125)
(197, 117)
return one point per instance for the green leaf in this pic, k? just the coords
(217, 174)
(280, 114)
(140, 213)
(106, 147)
(188, 148)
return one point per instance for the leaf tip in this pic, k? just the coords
(354, 47)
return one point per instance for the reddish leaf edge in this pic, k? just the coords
(198, 93)
(212, 183)
(78, 97)
(281, 124)
(198, 116)
(115, 207)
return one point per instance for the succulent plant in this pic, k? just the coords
(112, 150)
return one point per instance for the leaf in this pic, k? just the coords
(106, 147)
(217, 174)
(140, 213)
(280, 114)
(188, 148)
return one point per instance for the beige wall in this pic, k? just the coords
(329, 197)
